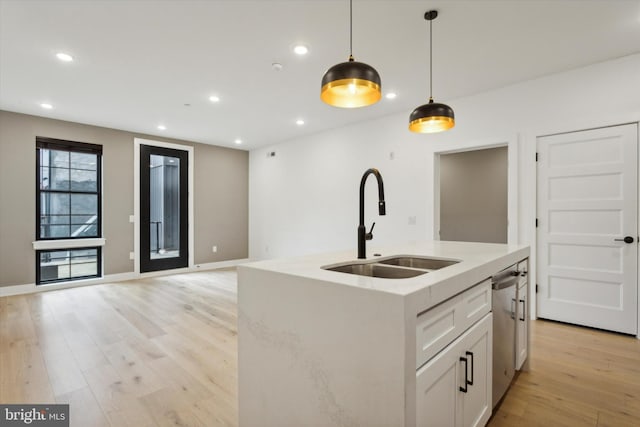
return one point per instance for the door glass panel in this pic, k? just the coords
(164, 197)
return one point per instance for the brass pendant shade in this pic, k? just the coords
(351, 84)
(431, 117)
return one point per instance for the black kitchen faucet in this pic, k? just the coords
(363, 236)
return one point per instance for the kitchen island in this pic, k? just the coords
(319, 347)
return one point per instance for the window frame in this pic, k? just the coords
(69, 146)
(98, 274)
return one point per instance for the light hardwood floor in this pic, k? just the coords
(578, 377)
(162, 352)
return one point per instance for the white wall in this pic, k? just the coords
(305, 199)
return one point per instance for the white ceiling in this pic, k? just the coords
(138, 62)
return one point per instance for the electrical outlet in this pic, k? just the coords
(215, 249)
(412, 220)
(132, 255)
(132, 218)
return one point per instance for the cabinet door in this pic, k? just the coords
(475, 404)
(522, 326)
(440, 400)
(437, 385)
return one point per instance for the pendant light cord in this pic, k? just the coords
(350, 30)
(431, 60)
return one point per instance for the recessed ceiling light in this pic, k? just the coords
(238, 141)
(299, 122)
(300, 49)
(277, 66)
(64, 57)
(46, 106)
(391, 95)
(162, 127)
(214, 98)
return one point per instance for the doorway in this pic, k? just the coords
(473, 205)
(587, 233)
(164, 208)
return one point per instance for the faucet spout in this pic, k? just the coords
(363, 236)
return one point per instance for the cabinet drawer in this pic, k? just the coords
(439, 326)
(477, 302)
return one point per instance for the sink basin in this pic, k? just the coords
(377, 270)
(394, 267)
(419, 262)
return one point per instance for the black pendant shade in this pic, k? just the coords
(433, 116)
(351, 84)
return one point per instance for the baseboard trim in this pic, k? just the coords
(221, 264)
(29, 288)
(7, 291)
(197, 267)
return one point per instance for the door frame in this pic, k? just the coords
(512, 181)
(136, 203)
(533, 304)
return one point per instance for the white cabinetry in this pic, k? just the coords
(522, 324)
(440, 325)
(454, 388)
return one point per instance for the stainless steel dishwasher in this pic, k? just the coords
(504, 288)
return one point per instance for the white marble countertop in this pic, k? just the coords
(319, 347)
(478, 261)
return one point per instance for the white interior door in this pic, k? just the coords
(588, 203)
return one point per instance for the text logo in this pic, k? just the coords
(34, 415)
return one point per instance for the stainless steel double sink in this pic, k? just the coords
(394, 267)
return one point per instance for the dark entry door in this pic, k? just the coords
(164, 208)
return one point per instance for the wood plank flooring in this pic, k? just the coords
(163, 352)
(578, 377)
(151, 352)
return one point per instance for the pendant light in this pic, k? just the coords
(432, 117)
(351, 84)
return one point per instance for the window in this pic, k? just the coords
(68, 264)
(69, 189)
(68, 205)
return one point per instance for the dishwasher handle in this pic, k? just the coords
(504, 284)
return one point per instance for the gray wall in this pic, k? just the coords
(473, 196)
(220, 186)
